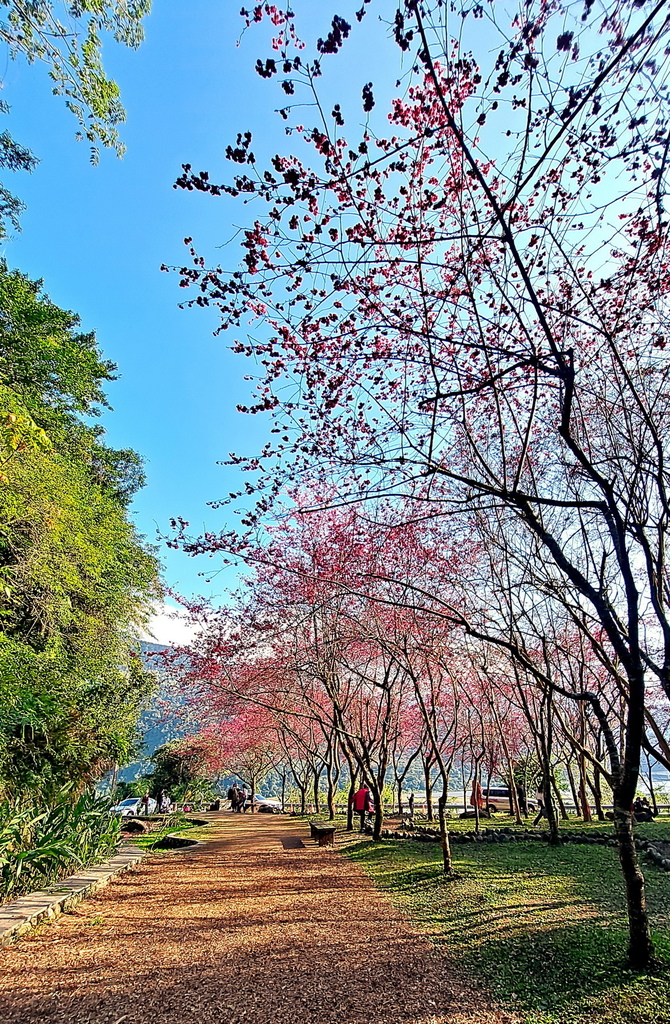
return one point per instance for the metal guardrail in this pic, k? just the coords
(422, 808)
(419, 808)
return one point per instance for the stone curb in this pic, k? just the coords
(22, 915)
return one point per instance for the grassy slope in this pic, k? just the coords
(175, 825)
(544, 928)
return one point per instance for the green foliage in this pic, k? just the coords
(66, 38)
(14, 157)
(182, 774)
(541, 927)
(43, 357)
(527, 771)
(39, 845)
(135, 787)
(75, 580)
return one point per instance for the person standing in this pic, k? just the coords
(145, 804)
(522, 798)
(539, 797)
(477, 795)
(410, 804)
(363, 805)
(244, 799)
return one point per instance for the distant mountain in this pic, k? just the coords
(147, 648)
(157, 725)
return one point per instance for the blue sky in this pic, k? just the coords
(98, 236)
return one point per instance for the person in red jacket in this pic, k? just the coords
(363, 804)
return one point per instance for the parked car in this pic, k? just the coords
(132, 806)
(498, 799)
(268, 805)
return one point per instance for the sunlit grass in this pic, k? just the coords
(544, 928)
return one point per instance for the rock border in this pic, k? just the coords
(427, 834)
(24, 914)
(652, 855)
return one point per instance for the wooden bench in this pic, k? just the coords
(323, 832)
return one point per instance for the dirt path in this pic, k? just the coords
(247, 928)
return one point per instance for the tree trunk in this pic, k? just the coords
(514, 797)
(475, 789)
(429, 795)
(488, 790)
(317, 779)
(378, 821)
(550, 810)
(514, 800)
(333, 769)
(466, 786)
(573, 786)
(401, 776)
(379, 818)
(583, 777)
(594, 786)
(559, 798)
(583, 795)
(447, 863)
(650, 784)
(640, 948)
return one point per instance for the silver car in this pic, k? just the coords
(268, 805)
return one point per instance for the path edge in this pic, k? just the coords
(22, 915)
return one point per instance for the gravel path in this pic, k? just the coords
(250, 927)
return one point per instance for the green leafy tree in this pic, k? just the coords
(75, 579)
(67, 39)
(180, 771)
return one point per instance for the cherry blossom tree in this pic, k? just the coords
(244, 745)
(470, 310)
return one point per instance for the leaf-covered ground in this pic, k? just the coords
(543, 927)
(250, 927)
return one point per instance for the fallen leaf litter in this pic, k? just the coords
(238, 930)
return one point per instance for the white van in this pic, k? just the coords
(498, 799)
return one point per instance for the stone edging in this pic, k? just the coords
(25, 913)
(427, 834)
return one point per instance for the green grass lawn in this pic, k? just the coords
(543, 927)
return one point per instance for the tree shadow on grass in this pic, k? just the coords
(544, 929)
(573, 972)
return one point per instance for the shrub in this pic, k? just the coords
(40, 845)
